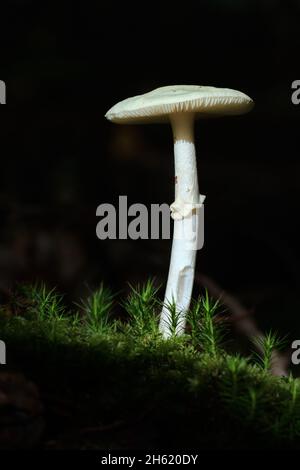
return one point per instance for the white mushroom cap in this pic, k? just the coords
(159, 104)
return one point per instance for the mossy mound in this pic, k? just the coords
(113, 384)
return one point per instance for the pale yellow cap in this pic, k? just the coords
(159, 104)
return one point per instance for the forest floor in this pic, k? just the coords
(84, 379)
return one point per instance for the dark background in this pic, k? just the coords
(65, 64)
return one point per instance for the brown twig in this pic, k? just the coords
(104, 428)
(244, 322)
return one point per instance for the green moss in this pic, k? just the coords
(134, 389)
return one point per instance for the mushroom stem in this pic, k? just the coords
(183, 256)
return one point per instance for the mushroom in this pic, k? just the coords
(180, 105)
